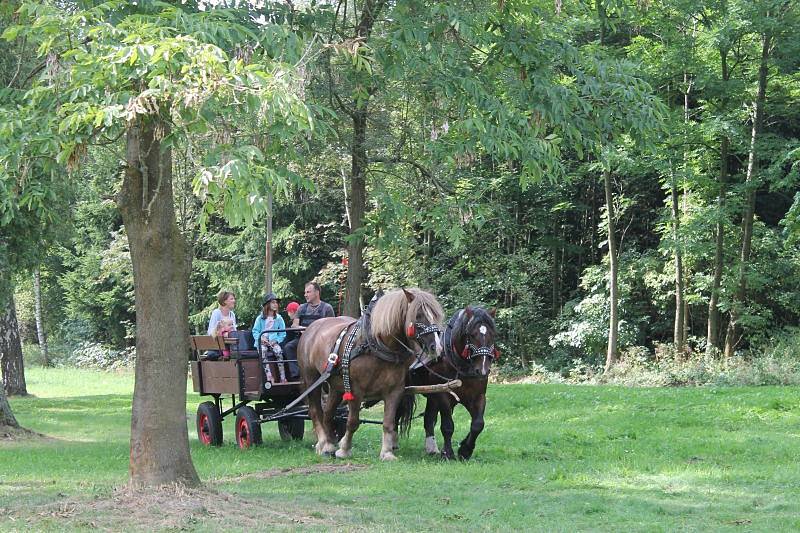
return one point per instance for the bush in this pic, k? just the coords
(96, 356)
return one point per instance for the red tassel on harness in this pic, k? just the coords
(465, 352)
(348, 396)
(411, 331)
(496, 353)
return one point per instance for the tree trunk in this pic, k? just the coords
(357, 201)
(613, 326)
(37, 296)
(713, 331)
(11, 361)
(159, 437)
(6, 414)
(712, 338)
(734, 332)
(679, 330)
(268, 249)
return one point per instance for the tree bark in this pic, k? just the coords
(734, 333)
(40, 332)
(357, 200)
(11, 361)
(613, 325)
(7, 418)
(159, 436)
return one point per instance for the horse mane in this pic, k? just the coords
(479, 316)
(393, 311)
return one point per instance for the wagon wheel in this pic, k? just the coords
(209, 424)
(291, 428)
(248, 430)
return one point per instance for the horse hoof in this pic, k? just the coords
(464, 454)
(448, 456)
(430, 446)
(388, 456)
(341, 454)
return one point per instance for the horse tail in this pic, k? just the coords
(405, 414)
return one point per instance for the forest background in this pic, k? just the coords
(618, 179)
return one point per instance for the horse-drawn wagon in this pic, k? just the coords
(359, 362)
(254, 399)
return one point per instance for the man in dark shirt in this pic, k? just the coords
(312, 310)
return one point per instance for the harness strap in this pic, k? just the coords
(346, 356)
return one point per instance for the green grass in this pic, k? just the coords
(552, 458)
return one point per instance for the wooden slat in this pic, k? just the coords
(202, 343)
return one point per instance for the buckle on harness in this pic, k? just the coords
(333, 358)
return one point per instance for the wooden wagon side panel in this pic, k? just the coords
(222, 377)
(219, 377)
(253, 377)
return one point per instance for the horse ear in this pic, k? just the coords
(493, 312)
(468, 311)
(409, 295)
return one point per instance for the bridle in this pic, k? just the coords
(417, 330)
(470, 351)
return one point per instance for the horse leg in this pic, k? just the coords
(447, 427)
(431, 414)
(353, 421)
(390, 404)
(324, 445)
(329, 407)
(476, 410)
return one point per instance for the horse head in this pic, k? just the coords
(473, 338)
(410, 318)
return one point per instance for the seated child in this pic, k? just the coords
(224, 327)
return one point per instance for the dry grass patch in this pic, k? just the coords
(172, 507)
(300, 470)
(14, 434)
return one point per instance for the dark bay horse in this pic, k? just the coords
(399, 327)
(468, 355)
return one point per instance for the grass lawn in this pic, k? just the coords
(552, 458)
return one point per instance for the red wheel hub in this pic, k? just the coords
(205, 431)
(243, 434)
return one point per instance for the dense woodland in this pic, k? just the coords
(606, 174)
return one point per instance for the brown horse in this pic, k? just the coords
(468, 355)
(398, 327)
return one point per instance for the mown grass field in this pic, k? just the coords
(552, 458)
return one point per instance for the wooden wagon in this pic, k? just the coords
(254, 400)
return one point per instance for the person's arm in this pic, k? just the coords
(257, 327)
(235, 325)
(279, 324)
(296, 319)
(216, 316)
(329, 310)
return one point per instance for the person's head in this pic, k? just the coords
(223, 326)
(226, 299)
(312, 292)
(292, 308)
(270, 305)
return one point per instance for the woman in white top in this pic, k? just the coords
(227, 301)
